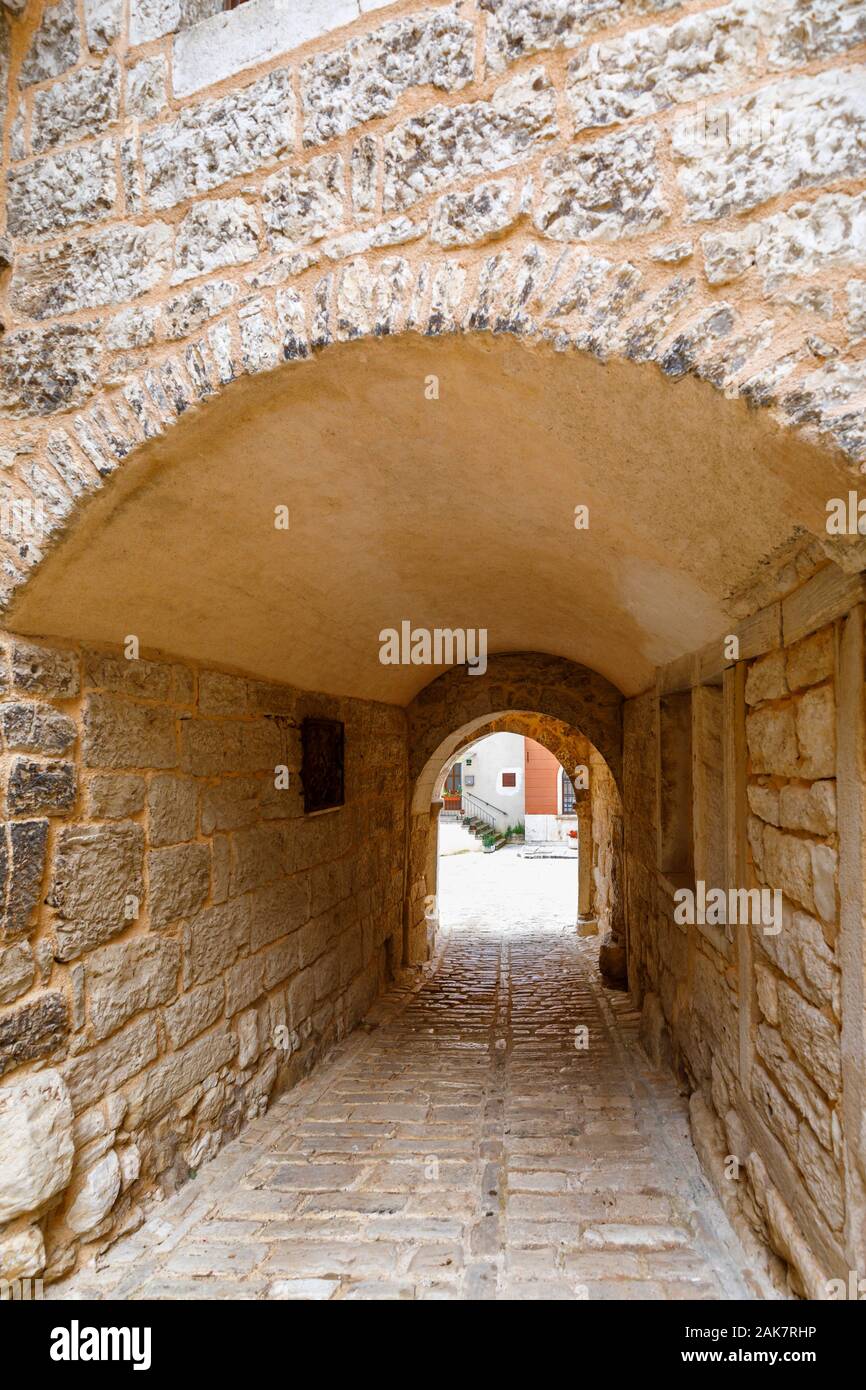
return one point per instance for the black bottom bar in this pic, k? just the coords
(63, 1339)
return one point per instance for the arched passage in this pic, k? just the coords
(633, 614)
(575, 756)
(389, 289)
(599, 811)
(569, 703)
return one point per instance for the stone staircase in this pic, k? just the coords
(480, 828)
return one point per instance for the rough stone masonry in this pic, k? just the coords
(193, 197)
(175, 933)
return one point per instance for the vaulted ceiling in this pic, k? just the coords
(454, 512)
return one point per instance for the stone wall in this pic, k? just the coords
(179, 941)
(796, 1070)
(608, 901)
(750, 1018)
(652, 181)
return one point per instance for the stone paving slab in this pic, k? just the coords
(459, 1146)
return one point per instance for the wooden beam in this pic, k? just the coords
(828, 595)
(677, 675)
(761, 632)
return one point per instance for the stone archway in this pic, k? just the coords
(575, 755)
(457, 191)
(349, 448)
(577, 715)
(630, 594)
(578, 702)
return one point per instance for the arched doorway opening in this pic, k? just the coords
(566, 758)
(514, 840)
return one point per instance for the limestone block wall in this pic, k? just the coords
(796, 1071)
(193, 196)
(608, 901)
(179, 941)
(752, 1019)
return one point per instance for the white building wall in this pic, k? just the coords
(484, 763)
(552, 829)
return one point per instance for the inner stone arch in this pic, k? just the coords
(600, 873)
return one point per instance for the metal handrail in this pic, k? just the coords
(470, 796)
(479, 814)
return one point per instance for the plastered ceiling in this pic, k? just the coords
(456, 512)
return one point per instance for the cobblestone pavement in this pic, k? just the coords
(460, 1145)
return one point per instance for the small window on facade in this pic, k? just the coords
(567, 794)
(509, 779)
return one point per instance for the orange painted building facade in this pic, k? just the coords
(541, 776)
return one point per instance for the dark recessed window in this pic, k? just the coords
(322, 744)
(509, 779)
